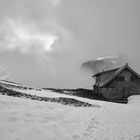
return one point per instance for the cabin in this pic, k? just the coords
(118, 83)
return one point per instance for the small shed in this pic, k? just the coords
(118, 83)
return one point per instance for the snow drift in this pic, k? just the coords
(22, 118)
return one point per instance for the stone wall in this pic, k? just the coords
(118, 93)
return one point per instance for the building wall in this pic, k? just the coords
(122, 89)
(103, 77)
(118, 93)
(112, 93)
(127, 83)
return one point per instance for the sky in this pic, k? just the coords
(43, 43)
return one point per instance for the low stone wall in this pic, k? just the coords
(112, 93)
(118, 93)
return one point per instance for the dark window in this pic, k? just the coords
(119, 78)
(133, 78)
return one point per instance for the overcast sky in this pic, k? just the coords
(44, 42)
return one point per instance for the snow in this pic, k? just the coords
(8, 82)
(43, 92)
(135, 99)
(34, 120)
(52, 94)
(24, 119)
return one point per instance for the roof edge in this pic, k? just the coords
(98, 73)
(118, 72)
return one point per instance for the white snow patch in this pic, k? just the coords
(23, 119)
(135, 99)
(52, 94)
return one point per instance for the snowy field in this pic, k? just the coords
(24, 119)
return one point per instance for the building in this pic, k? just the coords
(118, 83)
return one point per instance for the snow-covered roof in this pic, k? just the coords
(105, 71)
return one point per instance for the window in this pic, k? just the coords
(133, 78)
(119, 78)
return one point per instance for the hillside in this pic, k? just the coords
(23, 118)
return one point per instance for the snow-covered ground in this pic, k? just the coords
(50, 94)
(24, 119)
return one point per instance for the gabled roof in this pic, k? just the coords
(107, 71)
(111, 74)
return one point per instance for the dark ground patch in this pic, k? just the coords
(85, 93)
(61, 100)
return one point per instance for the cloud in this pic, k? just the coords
(108, 57)
(30, 27)
(55, 2)
(31, 36)
(104, 63)
(28, 38)
(4, 73)
(16, 35)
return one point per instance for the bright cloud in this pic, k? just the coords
(4, 73)
(108, 57)
(55, 2)
(26, 38)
